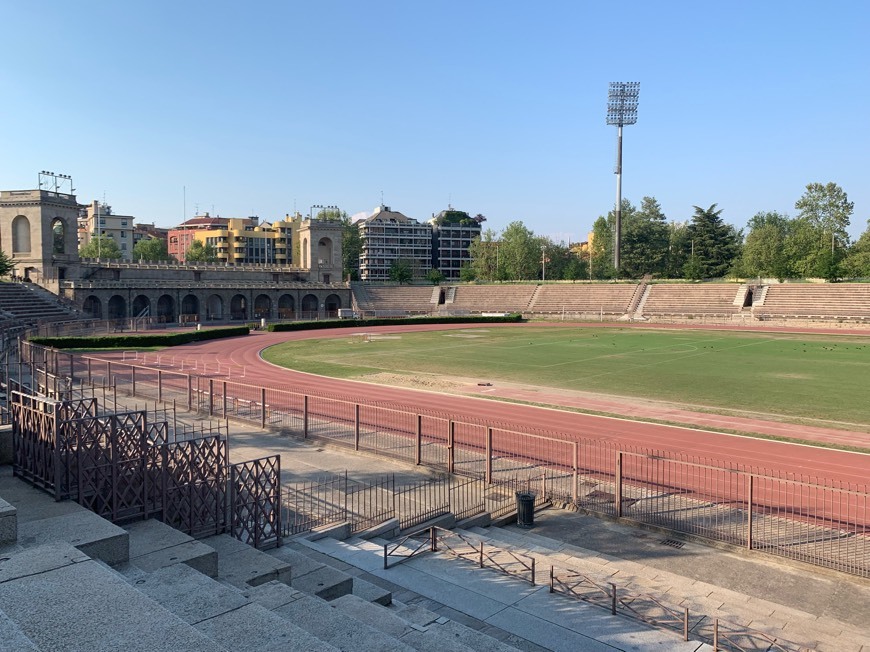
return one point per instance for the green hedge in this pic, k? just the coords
(361, 323)
(136, 341)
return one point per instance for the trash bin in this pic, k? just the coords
(525, 509)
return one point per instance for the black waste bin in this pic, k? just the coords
(525, 509)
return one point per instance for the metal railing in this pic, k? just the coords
(815, 520)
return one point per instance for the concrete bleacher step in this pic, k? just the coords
(40, 519)
(302, 560)
(432, 633)
(223, 613)
(155, 545)
(8, 523)
(314, 577)
(61, 600)
(241, 565)
(12, 639)
(512, 607)
(326, 621)
(318, 616)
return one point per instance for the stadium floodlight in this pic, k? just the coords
(622, 98)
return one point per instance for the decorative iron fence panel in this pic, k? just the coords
(255, 502)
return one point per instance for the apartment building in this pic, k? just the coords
(98, 219)
(238, 240)
(388, 237)
(453, 232)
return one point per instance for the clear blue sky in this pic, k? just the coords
(497, 107)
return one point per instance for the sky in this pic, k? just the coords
(495, 107)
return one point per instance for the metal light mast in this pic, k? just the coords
(621, 110)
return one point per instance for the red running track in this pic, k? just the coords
(806, 461)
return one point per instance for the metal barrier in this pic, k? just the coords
(818, 521)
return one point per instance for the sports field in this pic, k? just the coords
(794, 376)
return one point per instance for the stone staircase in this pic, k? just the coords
(70, 580)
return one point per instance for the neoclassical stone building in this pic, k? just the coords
(38, 229)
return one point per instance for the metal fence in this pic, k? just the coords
(815, 520)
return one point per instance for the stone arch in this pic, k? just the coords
(310, 304)
(262, 306)
(58, 236)
(20, 235)
(324, 251)
(238, 307)
(141, 306)
(190, 307)
(117, 307)
(332, 304)
(165, 309)
(286, 306)
(93, 307)
(214, 307)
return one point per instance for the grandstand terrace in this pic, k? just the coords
(846, 301)
(492, 298)
(26, 303)
(396, 299)
(692, 299)
(609, 299)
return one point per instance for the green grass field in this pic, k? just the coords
(795, 376)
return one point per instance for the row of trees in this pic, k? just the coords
(152, 249)
(815, 243)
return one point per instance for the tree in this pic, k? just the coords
(679, 249)
(200, 253)
(351, 248)
(151, 249)
(857, 262)
(764, 251)
(714, 243)
(101, 246)
(805, 249)
(828, 207)
(401, 271)
(6, 264)
(485, 260)
(601, 252)
(466, 273)
(434, 276)
(644, 239)
(519, 253)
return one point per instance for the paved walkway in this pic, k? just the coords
(816, 608)
(819, 609)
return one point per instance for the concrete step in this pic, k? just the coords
(12, 639)
(8, 523)
(326, 621)
(39, 519)
(224, 613)
(64, 601)
(504, 603)
(439, 634)
(450, 628)
(313, 577)
(301, 557)
(241, 565)
(156, 545)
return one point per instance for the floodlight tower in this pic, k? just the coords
(621, 110)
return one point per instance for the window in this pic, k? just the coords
(123, 222)
(123, 246)
(123, 234)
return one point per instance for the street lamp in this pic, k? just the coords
(622, 98)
